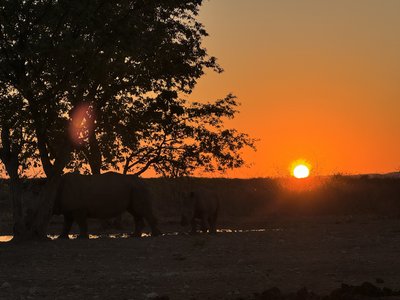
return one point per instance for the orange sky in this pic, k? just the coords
(318, 80)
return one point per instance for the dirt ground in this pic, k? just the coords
(319, 253)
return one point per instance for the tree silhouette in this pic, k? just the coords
(180, 137)
(98, 83)
(58, 54)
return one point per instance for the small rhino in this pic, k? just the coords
(200, 206)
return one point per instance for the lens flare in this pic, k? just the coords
(81, 125)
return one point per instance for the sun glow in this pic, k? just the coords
(300, 169)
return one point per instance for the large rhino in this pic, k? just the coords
(79, 197)
(200, 206)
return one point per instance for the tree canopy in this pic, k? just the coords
(99, 83)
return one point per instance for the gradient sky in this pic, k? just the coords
(318, 80)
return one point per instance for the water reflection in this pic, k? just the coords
(7, 238)
(240, 230)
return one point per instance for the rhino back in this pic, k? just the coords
(99, 196)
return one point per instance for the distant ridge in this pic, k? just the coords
(386, 175)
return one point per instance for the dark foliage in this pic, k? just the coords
(112, 71)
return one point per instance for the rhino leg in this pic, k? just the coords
(68, 220)
(80, 218)
(139, 225)
(153, 225)
(140, 210)
(213, 224)
(204, 224)
(193, 225)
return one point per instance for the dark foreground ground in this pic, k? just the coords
(318, 253)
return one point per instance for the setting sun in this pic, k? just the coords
(301, 171)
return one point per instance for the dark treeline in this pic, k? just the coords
(252, 202)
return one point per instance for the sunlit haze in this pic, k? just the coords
(316, 79)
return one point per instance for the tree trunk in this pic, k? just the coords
(21, 226)
(9, 157)
(20, 230)
(32, 222)
(29, 222)
(48, 167)
(40, 219)
(62, 152)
